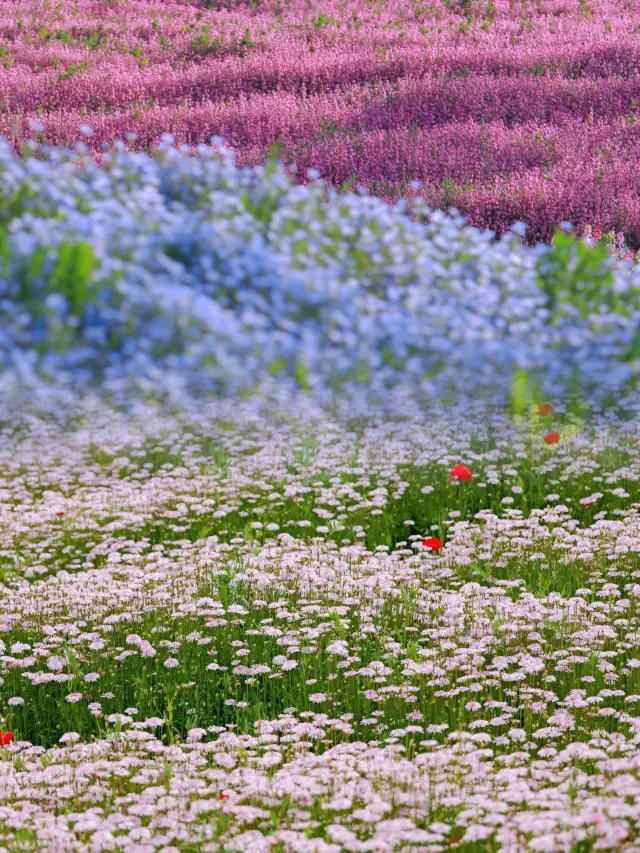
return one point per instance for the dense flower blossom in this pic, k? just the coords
(345, 669)
(503, 114)
(223, 431)
(437, 306)
(309, 661)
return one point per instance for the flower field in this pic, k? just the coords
(319, 463)
(173, 273)
(507, 110)
(236, 628)
(319, 522)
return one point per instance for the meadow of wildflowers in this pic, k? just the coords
(509, 110)
(319, 515)
(254, 626)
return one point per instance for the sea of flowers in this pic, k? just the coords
(319, 504)
(249, 625)
(168, 272)
(509, 110)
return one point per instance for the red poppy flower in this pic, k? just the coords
(433, 543)
(552, 438)
(545, 409)
(6, 738)
(222, 796)
(586, 506)
(59, 514)
(461, 472)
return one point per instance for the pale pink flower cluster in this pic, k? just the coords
(489, 690)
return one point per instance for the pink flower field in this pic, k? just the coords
(507, 111)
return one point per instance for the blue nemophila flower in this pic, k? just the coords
(190, 272)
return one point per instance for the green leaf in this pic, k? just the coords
(302, 377)
(277, 366)
(71, 275)
(574, 275)
(5, 252)
(361, 260)
(524, 393)
(37, 261)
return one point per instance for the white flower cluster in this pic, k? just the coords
(174, 271)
